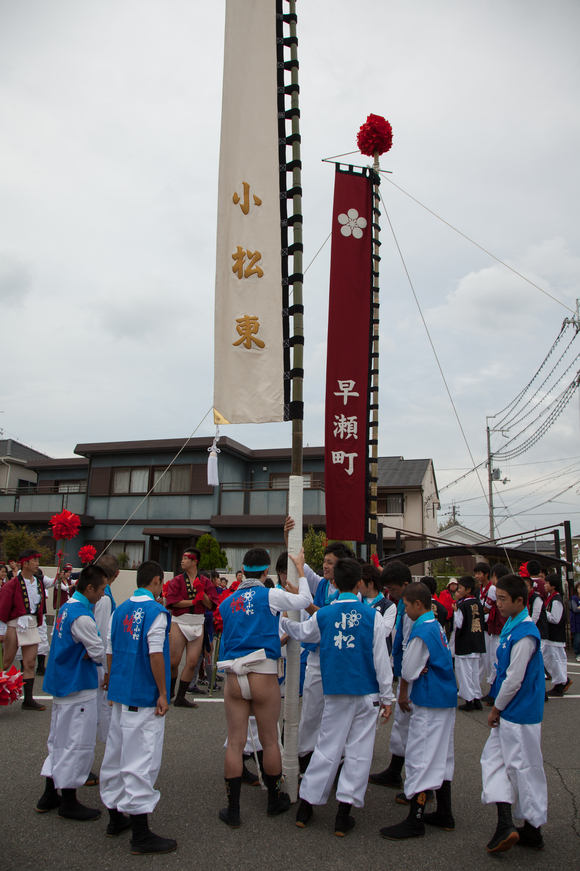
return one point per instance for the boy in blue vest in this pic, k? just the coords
(395, 578)
(323, 592)
(137, 682)
(357, 679)
(71, 678)
(511, 763)
(432, 702)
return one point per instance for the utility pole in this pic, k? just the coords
(490, 484)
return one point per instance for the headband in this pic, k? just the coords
(24, 559)
(191, 556)
(255, 568)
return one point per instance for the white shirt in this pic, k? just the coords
(457, 624)
(554, 616)
(536, 608)
(84, 630)
(102, 614)
(310, 633)
(281, 600)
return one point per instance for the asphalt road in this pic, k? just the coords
(191, 783)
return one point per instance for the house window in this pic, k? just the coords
(133, 549)
(392, 504)
(280, 480)
(130, 481)
(176, 480)
(69, 486)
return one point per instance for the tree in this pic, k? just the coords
(212, 556)
(314, 545)
(17, 538)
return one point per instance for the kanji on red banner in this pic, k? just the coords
(348, 357)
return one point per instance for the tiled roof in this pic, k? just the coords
(398, 472)
(11, 448)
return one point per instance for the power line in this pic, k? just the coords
(429, 337)
(477, 245)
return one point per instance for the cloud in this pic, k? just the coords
(15, 281)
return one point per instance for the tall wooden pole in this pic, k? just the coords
(291, 700)
(374, 387)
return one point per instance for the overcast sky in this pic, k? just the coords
(109, 147)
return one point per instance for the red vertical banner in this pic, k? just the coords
(348, 357)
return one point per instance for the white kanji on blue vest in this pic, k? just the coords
(347, 621)
(133, 623)
(247, 596)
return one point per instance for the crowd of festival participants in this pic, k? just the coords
(365, 634)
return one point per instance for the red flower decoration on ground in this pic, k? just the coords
(65, 525)
(10, 685)
(87, 554)
(376, 134)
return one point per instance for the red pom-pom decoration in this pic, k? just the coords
(523, 571)
(375, 135)
(65, 525)
(375, 560)
(10, 685)
(87, 554)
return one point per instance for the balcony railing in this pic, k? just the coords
(243, 486)
(45, 489)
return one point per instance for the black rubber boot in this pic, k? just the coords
(401, 798)
(413, 826)
(488, 700)
(557, 691)
(506, 834)
(442, 817)
(49, 798)
(172, 691)
(530, 836)
(180, 700)
(40, 670)
(118, 823)
(92, 779)
(391, 776)
(278, 802)
(343, 822)
(468, 706)
(29, 704)
(230, 815)
(304, 761)
(144, 841)
(303, 814)
(72, 809)
(477, 705)
(247, 776)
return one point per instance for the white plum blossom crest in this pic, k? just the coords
(352, 224)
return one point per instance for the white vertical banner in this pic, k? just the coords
(249, 364)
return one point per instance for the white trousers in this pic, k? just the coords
(348, 727)
(467, 673)
(43, 646)
(400, 729)
(71, 744)
(492, 644)
(132, 760)
(556, 662)
(512, 770)
(103, 710)
(312, 705)
(429, 758)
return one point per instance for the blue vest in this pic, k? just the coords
(109, 593)
(67, 670)
(131, 681)
(398, 642)
(346, 649)
(527, 706)
(249, 624)
(437, 688)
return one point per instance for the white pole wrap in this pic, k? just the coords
(292, 699)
